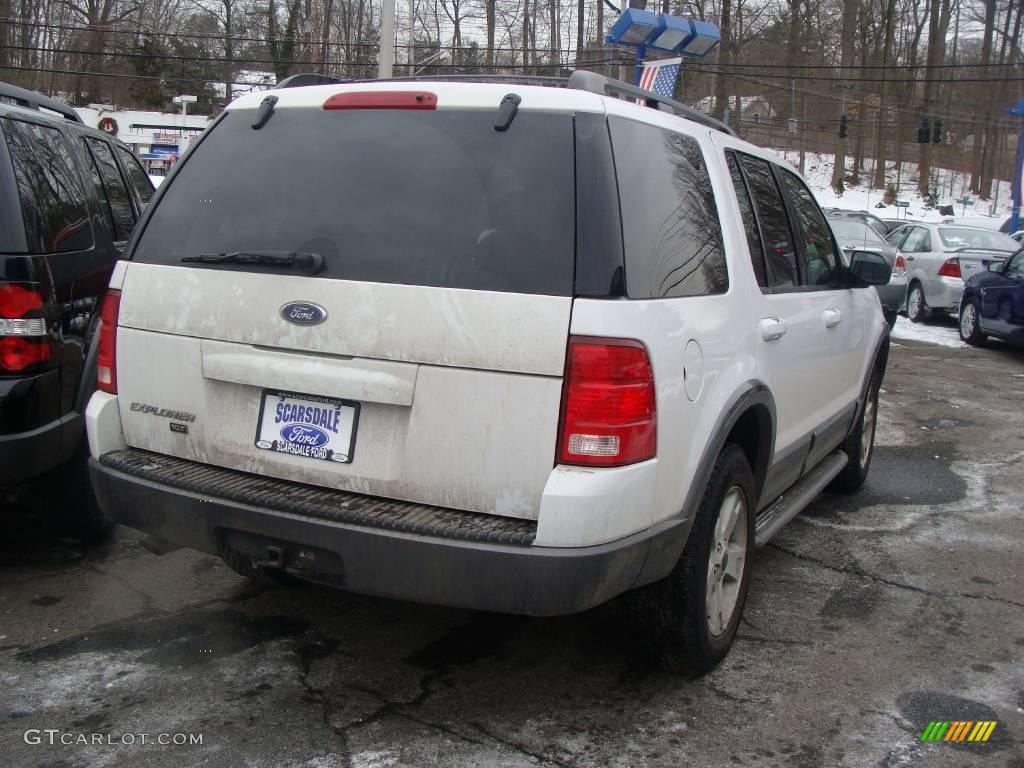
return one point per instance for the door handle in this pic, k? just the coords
(832, 317)
(908, 258)
(772, 328)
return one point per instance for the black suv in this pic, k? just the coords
(69, 197)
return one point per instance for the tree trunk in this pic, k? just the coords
(936, 53)
(851, 9)
(977, 153)
(995, 137)
(581, 27)
(526, 35)
(878, 182)
(229, 53)
(489, 7)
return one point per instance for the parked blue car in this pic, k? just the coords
(993, 303)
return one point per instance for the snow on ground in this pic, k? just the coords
(157, 180)
(943, 332)
(952, 185)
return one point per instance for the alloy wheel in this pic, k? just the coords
(968, 321)
(726, 561)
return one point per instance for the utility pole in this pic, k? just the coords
(386, 60)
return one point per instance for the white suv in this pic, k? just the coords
(506, 347)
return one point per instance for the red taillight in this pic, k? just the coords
(900, 266)
(106, 354)
(382, 100)
(17, 353)
(608, 406)
(950, 268)
(16, 301)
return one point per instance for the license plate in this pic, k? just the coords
(307, 425)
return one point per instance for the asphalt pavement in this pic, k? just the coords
(869, 616)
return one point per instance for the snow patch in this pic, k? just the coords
(941, 335)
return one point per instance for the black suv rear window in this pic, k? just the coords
(414, 197)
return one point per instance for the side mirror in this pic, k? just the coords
(869, 268)
(996, 266)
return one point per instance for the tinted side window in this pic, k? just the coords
(49, 187)
(140, 179)
(670, 226)
(819, 250)
(115, 194)
(780, 258)
(749, 219)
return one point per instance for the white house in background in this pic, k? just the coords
(753, 109)
(157, 138)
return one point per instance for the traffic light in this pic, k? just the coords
(923, 132)
(937, 132)
(844, 124)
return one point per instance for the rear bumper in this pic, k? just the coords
(26, 455)
(381, 555)
(943, 293)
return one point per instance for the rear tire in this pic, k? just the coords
(859, 447)
(69, 490)
(689, 619)
(970, 327)
(917, 307)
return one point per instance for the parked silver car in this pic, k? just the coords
(940, 257)
(853, 235)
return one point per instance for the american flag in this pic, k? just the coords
(660, 77)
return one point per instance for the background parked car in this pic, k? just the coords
(993, 303)
(69, 197)
(893, 224)
(856, 236)
(939, 257)
(862, 216)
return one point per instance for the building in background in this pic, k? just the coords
(157, 138)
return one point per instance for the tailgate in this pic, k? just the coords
(421, 359)
(457, 392)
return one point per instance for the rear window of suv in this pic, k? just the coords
(414, 197)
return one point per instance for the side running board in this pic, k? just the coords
(788, 505)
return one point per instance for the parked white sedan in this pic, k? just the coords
(940, 257)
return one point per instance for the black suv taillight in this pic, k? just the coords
(25, 343)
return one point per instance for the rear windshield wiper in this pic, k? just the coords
(311, 263)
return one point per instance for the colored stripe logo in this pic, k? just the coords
(959, 730)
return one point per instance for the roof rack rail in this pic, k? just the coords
(309, 78)
(580, 80)
(605, 86)
(549, 80)
(33, 100)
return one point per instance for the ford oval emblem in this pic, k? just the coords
(304, 434)
(303, 313)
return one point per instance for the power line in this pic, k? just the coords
(571, 51)
(215, 80)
